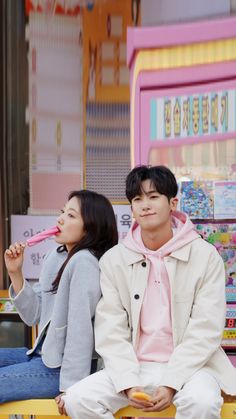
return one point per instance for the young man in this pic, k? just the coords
(159, 323)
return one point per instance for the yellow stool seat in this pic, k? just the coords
(43, 407)
(48, 408)
(228, 412)
(131, 412)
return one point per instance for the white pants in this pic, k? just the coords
(95, 396)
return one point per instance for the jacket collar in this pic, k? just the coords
(131, 256)
(180, 254)
(184, 252)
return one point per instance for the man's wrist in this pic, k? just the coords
(126, 391)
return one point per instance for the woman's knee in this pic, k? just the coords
(12, 356)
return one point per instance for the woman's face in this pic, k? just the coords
(70, 224)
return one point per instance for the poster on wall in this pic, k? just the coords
(225, 200)
(223, 237)
(197, 199)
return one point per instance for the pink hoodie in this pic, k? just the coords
(156, 343)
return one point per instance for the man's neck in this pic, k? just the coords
(154, 240)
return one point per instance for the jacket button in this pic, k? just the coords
(136, 296)
(144, 264)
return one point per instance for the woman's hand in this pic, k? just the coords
(61, 404)
(14, 257)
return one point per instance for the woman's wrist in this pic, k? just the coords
(17, 282)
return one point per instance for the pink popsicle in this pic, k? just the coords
(37, 238)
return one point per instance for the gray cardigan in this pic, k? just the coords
(67, 316)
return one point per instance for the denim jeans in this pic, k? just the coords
(26, 377)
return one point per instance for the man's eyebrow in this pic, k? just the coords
(147, 193)
(152, 191)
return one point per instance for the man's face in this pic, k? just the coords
(152, 210)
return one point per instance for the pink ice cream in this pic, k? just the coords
(37, 238)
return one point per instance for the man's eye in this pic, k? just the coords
(137, 198)
(154, 196)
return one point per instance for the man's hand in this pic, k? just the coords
(61, 404)
(161, 399)
(138, 404)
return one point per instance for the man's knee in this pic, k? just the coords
(73, 402)
(203, 406)
(207, 403)
(72, 398)
(80, 397)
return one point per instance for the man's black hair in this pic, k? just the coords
(160, 177)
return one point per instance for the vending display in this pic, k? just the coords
(223, 237)
(229, 335)
(183, 107)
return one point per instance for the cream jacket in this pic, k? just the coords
(197, 281)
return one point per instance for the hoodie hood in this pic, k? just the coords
(184, 232)
(155, 342)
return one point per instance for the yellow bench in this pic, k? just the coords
(48, 408)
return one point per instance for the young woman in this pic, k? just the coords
(62, 303)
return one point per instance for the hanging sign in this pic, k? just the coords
(194, 115)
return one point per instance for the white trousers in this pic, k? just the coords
(95, 397)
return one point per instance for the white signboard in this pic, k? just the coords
(25, 226)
